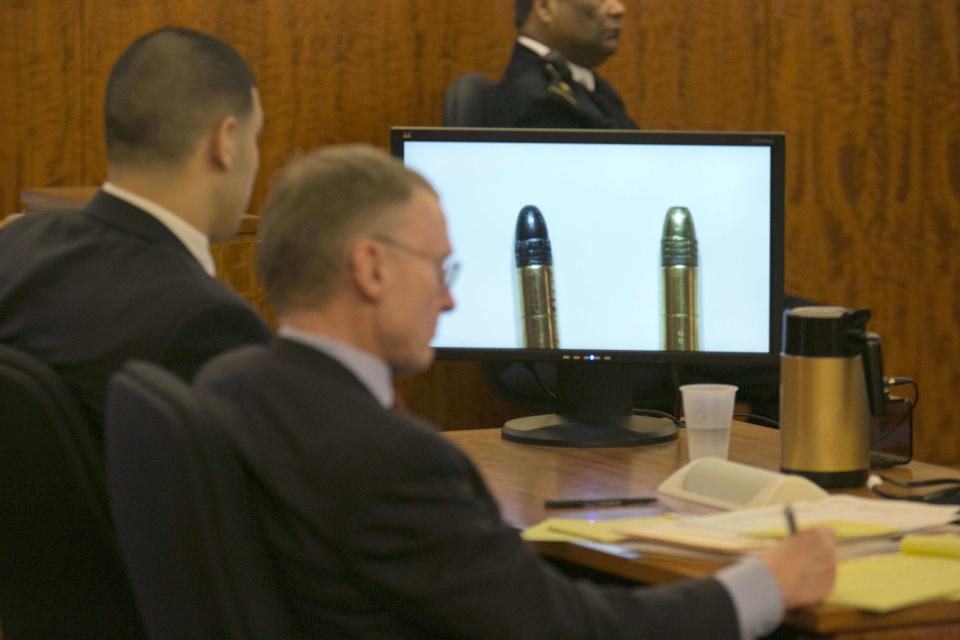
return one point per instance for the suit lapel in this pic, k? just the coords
(609, 102)
(122, 215)
(602, 108)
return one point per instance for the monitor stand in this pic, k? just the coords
(594, 402)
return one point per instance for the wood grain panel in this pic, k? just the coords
(848, 88)
(868, 92)
(696, 64)
(40, 96)
(455, 395)
(935, 291)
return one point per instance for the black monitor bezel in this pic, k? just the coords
(774, 140)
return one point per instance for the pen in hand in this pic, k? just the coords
(597, 502)
(791, 519)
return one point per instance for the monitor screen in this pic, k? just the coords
(609, 246)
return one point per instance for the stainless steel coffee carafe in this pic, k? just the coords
(831, 381)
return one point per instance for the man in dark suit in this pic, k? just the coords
(131, 275)
(549, 81)
(381, 528)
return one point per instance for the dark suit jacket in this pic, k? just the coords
(85, 291)
(383, 529)
(529, 95)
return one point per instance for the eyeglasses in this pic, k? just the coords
(447, 268)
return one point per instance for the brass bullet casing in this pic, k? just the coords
(824, 419)
(536, 307)
(679, 283)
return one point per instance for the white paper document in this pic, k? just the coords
(750, 529)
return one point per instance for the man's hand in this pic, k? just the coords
(804, 565)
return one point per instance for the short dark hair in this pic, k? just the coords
(521, 9)
(166, 89)
(321, 202)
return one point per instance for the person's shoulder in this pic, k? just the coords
(286, 372)
(41, 223)
(605, 88)
(313, 384)
(293, 394)
(210, 290)
(233, 365)
(529, 96)
(524, 75)
(177, 289)
(51, 239)
(211, 315)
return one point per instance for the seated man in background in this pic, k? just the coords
(381, 528)
(131, 275)
(549, 81)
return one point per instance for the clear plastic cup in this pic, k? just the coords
(708, 412)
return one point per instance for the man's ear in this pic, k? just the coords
(223, 137)
(543, 10)
(368, 269)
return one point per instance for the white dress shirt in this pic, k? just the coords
(580, 74)
(192, 238)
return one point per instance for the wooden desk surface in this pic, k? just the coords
(522, 476)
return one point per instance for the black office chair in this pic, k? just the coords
(181, 503)
(61, 575)
(466, 102)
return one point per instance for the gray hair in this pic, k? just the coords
(320, 203)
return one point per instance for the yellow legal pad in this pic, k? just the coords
(570, 529)
(844, 530)
(944, 546)
(927, 568)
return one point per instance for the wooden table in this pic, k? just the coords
(522, 476)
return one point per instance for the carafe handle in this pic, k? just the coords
(873, 374)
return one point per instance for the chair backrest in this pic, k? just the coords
(184, 516)
(466, 101)
(60, 570)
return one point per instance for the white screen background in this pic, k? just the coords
(604, 205)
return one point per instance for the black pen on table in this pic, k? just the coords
(597, 502)
(791, 519)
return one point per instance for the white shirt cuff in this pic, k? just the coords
(756, 597)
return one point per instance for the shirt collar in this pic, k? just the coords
(582, 75)
(371, 370)
(192, 238)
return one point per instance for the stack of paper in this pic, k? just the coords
(852, 518)
(926, 567)
(606, 533)
(572, 529)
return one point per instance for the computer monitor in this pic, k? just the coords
(602, 250)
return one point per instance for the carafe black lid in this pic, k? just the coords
(824, 331)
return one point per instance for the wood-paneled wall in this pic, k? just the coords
(868, 92)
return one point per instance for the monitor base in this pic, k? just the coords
(559, 431)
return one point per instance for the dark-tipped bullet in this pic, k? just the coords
(679, 283)
(537, 306)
